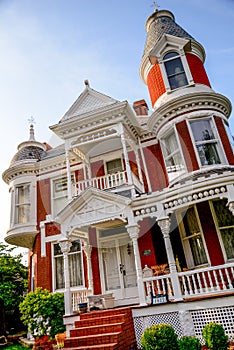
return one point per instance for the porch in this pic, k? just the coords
(193, 284)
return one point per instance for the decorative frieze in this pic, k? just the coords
(194, 197)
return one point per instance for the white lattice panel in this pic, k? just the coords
(143, 322)
(223, 316)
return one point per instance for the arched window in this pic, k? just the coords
(175, 71)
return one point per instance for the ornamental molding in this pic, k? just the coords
(195, 197)
(206, 101)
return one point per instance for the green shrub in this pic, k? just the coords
(42, 311)
(215, 337)
(159, 337)
(189, 343)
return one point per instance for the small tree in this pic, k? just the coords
(159, 337)
(13, 285)
(215, 337)
(42, 311)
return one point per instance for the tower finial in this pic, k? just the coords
(31, 121)
(155, 5)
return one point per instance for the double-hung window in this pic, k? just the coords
(175, 71)
(225, 224)
(75, 266)
(192, 237)
(22, 204)
(206, 141)
(172, 155)
(59, 194)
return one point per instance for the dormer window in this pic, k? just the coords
(175, 71)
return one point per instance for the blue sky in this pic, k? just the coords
(49, 47)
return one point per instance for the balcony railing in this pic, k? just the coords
(193, 283)
(107, 182)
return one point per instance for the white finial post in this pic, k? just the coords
(31, 121)
(155, 5)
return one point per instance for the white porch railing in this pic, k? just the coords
(106, 182)
(199, 282)
(215, 279)
(77, 297)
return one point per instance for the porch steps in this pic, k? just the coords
(110, 329)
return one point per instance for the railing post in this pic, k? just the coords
(65, 246)
(133, 231)
(164, 224)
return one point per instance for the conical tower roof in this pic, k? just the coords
(29, 151)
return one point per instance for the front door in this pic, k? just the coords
(117, 265)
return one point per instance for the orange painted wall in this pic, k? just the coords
(155, 83)
(187, 147)
(156, 167)
(197, 69)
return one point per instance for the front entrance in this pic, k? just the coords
(117, 266)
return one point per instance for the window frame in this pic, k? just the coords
(172, 77)
(218, 230)
(64, 192)
(213, 141)
(184, 63)
(19, 205)
(172, 154)
(60, 256)
(185, 240)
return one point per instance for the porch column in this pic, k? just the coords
(139, 166)
(125, 152)
(69, 187)
(88, 249)
(65, 246)
(133, 232)
(164, 225)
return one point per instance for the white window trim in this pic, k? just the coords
(62, 290)
(52, 182)
(185, 240)
(31, 181)
(162, 138)
(217, 139)
(219, 232)
(182, 56)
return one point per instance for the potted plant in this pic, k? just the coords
(189, 343)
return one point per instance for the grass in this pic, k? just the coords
(15, 347)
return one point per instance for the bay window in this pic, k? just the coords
(75, 266)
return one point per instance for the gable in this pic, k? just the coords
(93, 207)
(89, 100)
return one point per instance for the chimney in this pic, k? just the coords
(140, 107)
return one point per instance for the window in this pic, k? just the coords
(175, 71)
(205, 141)
(172, 156)
(225, 223)
(22, 204)
(59, 194)
(192, 238)
(114, 166)
(75, 266)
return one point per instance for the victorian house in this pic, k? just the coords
(136, 205)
